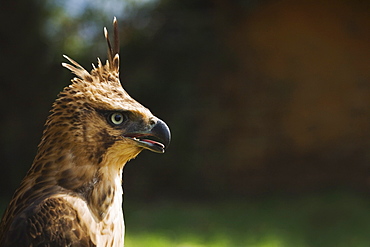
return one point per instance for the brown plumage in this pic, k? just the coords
(72, 194)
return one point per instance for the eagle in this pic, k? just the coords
(72, 194)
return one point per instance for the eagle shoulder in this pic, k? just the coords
(52, 222)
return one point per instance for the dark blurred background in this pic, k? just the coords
(262, 97)
(268, 102)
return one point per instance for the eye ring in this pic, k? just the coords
(116, 118)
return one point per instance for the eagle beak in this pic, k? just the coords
(156, 139)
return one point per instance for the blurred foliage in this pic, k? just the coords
(330, 220)
(261, 96)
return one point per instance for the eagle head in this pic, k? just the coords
(96, 117)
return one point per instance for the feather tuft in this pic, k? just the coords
(113, 50)
(75, 67)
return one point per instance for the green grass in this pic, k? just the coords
(329, 220)
(311, 221)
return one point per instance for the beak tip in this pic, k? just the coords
(163, 132)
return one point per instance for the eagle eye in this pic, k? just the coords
(116, 118)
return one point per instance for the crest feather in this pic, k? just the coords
(113, 58)
(112, 64)
(77, 69)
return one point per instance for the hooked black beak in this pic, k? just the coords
(156, 139)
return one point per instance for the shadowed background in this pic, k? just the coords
(266, 100)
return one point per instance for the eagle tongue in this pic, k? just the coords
(153, 142)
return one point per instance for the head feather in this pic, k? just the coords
(112, 51)
(102, 87)
(112, 64)
(77, 69)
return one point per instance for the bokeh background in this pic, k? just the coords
(268, 102)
